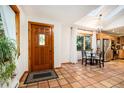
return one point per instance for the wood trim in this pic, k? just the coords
(58, 67)
(52, 49)
(43, 24)
(14, 8)
(23, 76)
(29, 42)
(17, 13)
(29, 47)
(106, 36)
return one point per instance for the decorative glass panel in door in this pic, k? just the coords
(41, 39)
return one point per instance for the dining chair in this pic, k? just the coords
(99, 59)
(86, 57)
(83, 56)
(101, 62)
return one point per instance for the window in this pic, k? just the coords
(83, 42)
(87, 42)
(80, 44)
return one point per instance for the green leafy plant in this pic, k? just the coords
(8, 53)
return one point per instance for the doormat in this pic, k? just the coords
(40, 76)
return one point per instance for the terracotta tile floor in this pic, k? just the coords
(79, 76)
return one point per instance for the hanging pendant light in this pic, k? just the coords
(99, 27)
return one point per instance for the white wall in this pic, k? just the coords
(79, 55)
(57, 37)
(73, 46)
(65, 43)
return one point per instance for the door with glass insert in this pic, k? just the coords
(41, 48)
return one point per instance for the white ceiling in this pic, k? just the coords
(67, 14)
(112, 17)
(109, 14)
(81, 15)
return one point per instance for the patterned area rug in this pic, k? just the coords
(40, 76)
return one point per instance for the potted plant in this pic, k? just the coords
(8, 53)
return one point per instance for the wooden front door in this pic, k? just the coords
(41, 47)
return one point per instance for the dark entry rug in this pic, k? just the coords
(40, 76)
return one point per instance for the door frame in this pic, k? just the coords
(29, 42)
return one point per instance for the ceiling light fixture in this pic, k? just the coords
(99, 27)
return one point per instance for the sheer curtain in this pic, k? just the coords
(94, 44)
(73, 47)
(8, 18)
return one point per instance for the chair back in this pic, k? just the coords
(84, 54)
(101, 56)
(89, 54)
